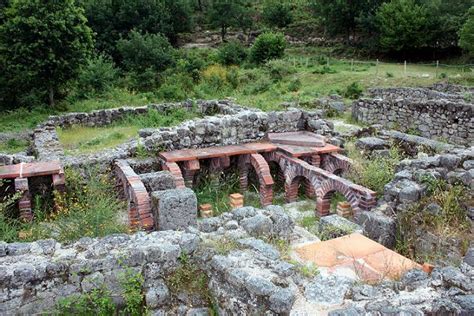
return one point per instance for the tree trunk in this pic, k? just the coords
(223, 32)
(51, 96)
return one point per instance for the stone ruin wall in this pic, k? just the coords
(224, 123)
(446, 116)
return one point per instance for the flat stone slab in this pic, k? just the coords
(218, 151)
(32, 169)
(302, 138)
(369, 260)
(298, 151)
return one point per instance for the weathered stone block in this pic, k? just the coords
(378, 227)
(158, 181)
(174, 209)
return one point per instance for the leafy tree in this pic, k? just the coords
(344, 17)
(97, 77)
(113, 20)
(403, 25)
(445, 20)
(226, 13)
(43, 44)
(466, 34)
(268, 46)
(145, 56)
(277, 13)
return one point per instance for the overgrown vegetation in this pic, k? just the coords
(88, 208)
(83, 139)
(373, 172)
(99, 301)
(441, 212)
(189, 278)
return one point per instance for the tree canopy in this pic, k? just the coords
(466, 34)
(43, 44)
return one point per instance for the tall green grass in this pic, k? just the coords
(89, 207)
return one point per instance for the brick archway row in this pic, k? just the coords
(323, 182)
(134, 191)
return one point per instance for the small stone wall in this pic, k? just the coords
(46, 144)
(415, 93)
(108, 116)
(436, 119)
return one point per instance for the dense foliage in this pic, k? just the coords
(42, 46)
(47, 47)
(268, 46)
(466, 40)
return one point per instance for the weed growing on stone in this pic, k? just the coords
(223, 246)
(307, 270)
(373, 172)
(442, 213)
(308, 222)
(96, 302)
(131, 283)
(189, 278)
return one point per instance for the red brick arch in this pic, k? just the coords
(327, 189)
(262, 170)
(336, 163)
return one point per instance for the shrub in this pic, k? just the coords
(372, 173)
(268, 46)
(97, 77)
(277, 13)
(324, 70)
(294, 85)
(146, 53)
(353, 91)
(96, 302)
(232, 53)
(215, 76)
(191, 63)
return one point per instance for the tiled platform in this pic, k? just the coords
(301, 138)
(368, 259)
(26, 170)
(21, 172)
(216, 152)
(299, 151)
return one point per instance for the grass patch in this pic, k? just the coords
(189, 278)
(304, 74)
(83, 139)
(14, 145)
(449, 224)
(372, 172)
(88, 208)
(308, 222)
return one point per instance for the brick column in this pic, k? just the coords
(24, 204)
(315, 160)
(323, 206)
(266, 195)
(309, 189)
(291, 191)
(190, 168)
(243, 178)
(59, 181)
